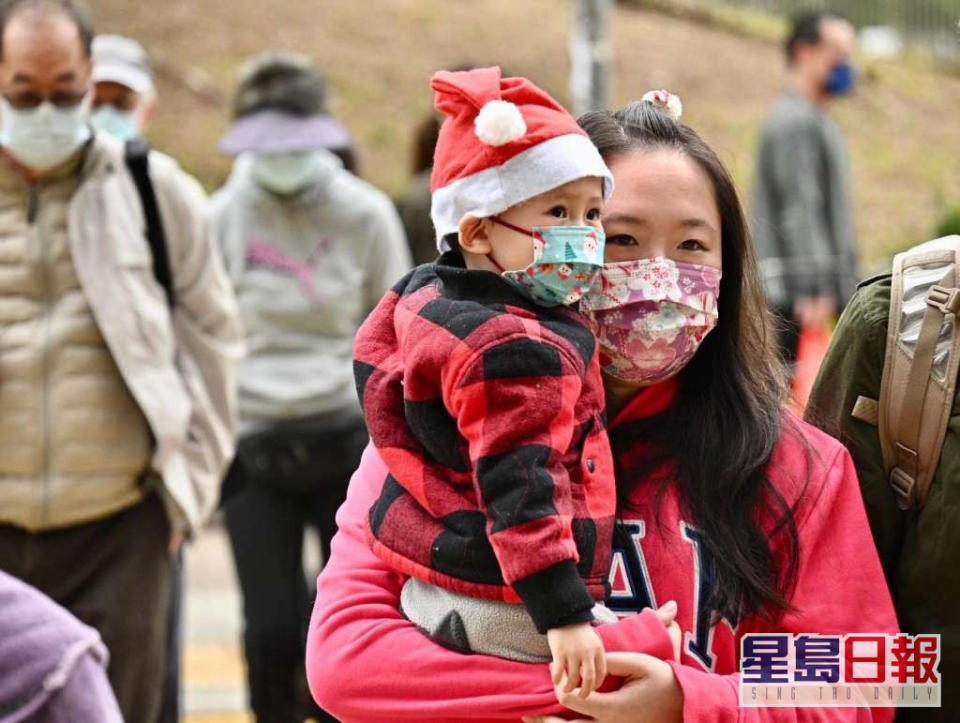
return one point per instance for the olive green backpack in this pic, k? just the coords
(920, 369)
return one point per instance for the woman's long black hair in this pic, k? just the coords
(719, 436)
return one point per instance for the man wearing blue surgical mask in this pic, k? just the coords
(802, 222)
(124, 98)
(116, 360)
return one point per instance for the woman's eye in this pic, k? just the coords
(692, 245)
(593, 214)
(558, 212)
(621, 240)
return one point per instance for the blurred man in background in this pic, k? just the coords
(117, 400)
(310, 250)
(124, 99)
(803, 226)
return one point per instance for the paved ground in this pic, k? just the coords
(213, 667)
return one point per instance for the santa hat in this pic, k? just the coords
(505, 141)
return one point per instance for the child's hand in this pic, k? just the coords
(577, 656)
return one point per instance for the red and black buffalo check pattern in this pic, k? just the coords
(487, 410)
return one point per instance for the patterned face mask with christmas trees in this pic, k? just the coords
(566, 263)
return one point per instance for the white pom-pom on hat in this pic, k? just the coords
(499, 122)
(665, 101)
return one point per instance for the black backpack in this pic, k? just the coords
(137, 157)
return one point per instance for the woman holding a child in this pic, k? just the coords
(733, 516)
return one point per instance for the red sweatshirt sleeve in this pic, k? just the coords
(840, 589)
(514, 402)
(366, 662)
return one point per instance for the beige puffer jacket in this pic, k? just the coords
(178, 369)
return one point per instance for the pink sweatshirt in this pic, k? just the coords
(366, 662)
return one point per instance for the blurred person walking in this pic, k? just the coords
(802, 225)
(414, 204)
(310, 250)
(124, 97)
(124, 102)
(116, 356)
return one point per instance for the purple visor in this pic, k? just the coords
(272, 131)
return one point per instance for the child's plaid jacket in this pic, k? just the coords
(488, 411)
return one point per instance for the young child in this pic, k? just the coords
(482, 392)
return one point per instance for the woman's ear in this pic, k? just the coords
(475, 235)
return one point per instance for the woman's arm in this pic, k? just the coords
(365, 661)
(840, 589)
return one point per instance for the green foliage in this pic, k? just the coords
(950, 223)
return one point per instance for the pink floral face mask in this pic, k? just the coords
(651, 315)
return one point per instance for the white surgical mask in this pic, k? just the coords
(121, 124)
(44, 137)
(287, 173)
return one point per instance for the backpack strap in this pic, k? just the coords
(137, 157)
(920, 367)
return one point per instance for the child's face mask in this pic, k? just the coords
(566, 262)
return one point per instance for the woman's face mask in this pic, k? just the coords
(287, 173)
(42, 138)
(651, 315)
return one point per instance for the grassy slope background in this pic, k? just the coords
(903, 125)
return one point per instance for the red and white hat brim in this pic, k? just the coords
(538, 169)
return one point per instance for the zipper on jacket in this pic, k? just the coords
(33, 205)
(37, 237)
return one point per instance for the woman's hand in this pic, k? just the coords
(650, 694)
(667, 614)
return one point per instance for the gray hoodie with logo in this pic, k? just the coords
(306, 269)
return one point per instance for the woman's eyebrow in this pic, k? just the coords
(696, 223)
(625, 218)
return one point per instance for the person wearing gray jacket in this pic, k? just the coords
(802, 222)
(117, 412)
(310, 249)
